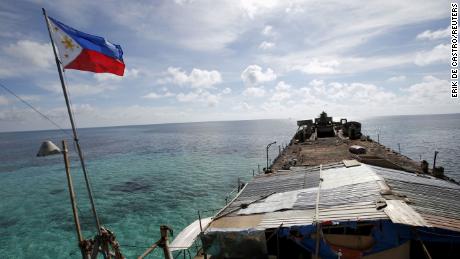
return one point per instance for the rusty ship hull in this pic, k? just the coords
(334, 195)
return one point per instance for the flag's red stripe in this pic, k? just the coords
(93, 61)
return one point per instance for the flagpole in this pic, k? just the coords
(74, 130)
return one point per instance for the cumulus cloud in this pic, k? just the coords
(205, 97)
(265, 45)
(25, 56)
(281, 92)
(357, 93)
(254, 92)
(259, 7)
(268, 31)
(438, 54)
(32, 52)
(197, 78)
(155, 95)
(254, 75)
(434, 35)
(315, 66)
(430, 90)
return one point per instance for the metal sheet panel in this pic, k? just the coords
(400, 212)
(351, 212)
(287, 219)
(188, 235)
(338, 177)
(436, 200)
(295, 179)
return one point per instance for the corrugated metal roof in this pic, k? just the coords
(400, 212)
(350, 194)
(436, 200)
(287, 218)
(295, 179)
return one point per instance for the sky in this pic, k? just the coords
(192, 60)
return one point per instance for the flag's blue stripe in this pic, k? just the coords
(92, 42)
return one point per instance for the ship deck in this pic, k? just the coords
(318, 151)
(319, 188)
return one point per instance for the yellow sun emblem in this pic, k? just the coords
(68, 43)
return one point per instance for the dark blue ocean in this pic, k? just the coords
(145, 176)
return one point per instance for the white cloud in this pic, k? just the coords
(431, 90)
(324, 65)
(226, 91)
(197, 78)
(25, 57)
(294, 8)
(394, 79)
(259, 7)
(268, 31)
(79, 89)
(31, 52)
(254, 92)
(254, 75)
(438, 54)
(314, 66)
(3, 100)
(190, 97)
(129, 73)
(434, 35)
(280, 96)
(282, 87)
(265, 45)
(357, 93)
(243, 106)
(154, 95)
(200, 96)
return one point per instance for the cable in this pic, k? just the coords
(34, 109)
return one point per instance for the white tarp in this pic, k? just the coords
(187, 236)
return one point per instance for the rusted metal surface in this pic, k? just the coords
(314, 152)
(400, 212)
(350, 194)
(438, 201)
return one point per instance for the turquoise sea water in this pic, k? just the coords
(145, 176)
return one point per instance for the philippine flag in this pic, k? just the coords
(82, 51)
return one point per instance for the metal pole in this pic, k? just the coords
(201, 233)
(72, 198)
(238, 184)
(399, 148)
(266, 168)
(165, 242)
(279, 150)
(434, 162)
(74, 130)
(268, 146)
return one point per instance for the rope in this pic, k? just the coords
(34, 109)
